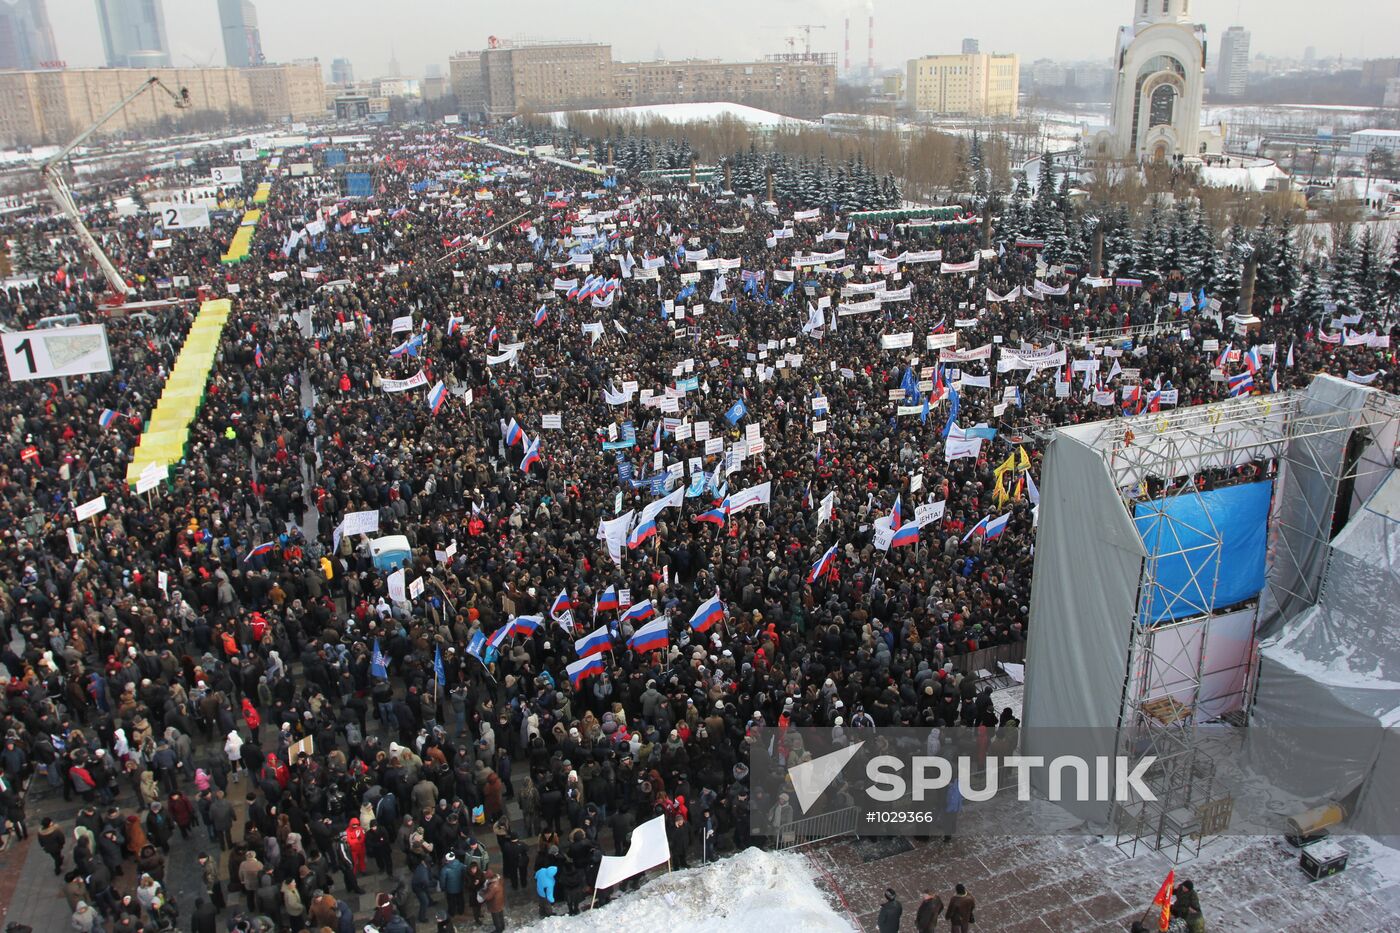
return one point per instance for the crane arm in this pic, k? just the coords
(52, 176)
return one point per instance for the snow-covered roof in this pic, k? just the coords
(691, 113)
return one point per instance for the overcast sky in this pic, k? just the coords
(427, 31)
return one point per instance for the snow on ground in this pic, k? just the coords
(754, 890)
(1013, 696)
(692, 113)
(1251, 177)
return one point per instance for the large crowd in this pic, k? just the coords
(320, 727)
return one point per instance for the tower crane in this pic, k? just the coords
(52, 175)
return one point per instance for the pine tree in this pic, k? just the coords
(1056, 240)
(1196, 247)
(1392, 275)
(1149, 258)
(1062, 200)
(1310, 304)
(1011, 225)
(1119, 245)
(1227, 280)
(1285, 270)
(1342, 278)
(976, 164)
(1044, 204)
(962, 177)
(1264, 241)
(1366, 275)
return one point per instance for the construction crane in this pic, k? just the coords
(50, 172)
(806, 30)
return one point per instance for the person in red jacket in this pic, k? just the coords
(355, 840)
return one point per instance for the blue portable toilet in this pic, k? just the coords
(390, 552)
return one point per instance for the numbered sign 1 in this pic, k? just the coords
(57, 351)
(226, 174)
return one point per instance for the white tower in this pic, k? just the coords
(1159, 85)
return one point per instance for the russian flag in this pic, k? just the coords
(561, 610)
(436, 397)
(651, 637)
(258, 356)
(824, 564)
(807, 496)
(941, 326)
(1224, 356)
(540, 316)
(595, 642)
(638, 612)
(572, 292)
(513, 433)
(532, 456)
(980, 526)
(107, 417)
(1251, 360)
(656, 437)
(606, 601)
(501, 635)
(639, 534)
(895, 519)
(526, 625)
(454, 324)
(710, 612)
(584, 668)
(905, 535)
(264, 548)
(997, 525)
(494, 336)
(718, 515)
(1242, 384)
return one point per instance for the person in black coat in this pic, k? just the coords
(205, 918)
(890, 913)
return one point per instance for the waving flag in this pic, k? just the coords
(997, 525)
(638, 612)
(513, 433)
(526, 625)
(532, 455)
(606, 601)
(1164, 901)
(561, 610)
(710, 612)
(1224, 356)
(454, 324)
(718, 515)
(439, 673)
(895, 519)
(905, 535)
(436, 397)
(954, 403)
(264, 548)
(807, 496)
(378, 662)
(653, 636)
(409, 347)
(825, 564)
(493, 336)
(540, 316)
(595, 642)
(582, 669)
(641, 533)
(107, 418)
(501, 635)
(1289, 362)
(1241, 384)
(980, 526)
(1251, 360)
(258, 357)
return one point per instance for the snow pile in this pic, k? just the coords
(754, 890)
(690, 113)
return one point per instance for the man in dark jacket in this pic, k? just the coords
(890, 913)
(205, 918)
(930, 909)
(960, 907)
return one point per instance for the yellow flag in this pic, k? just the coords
(1007, 466)
(1024, 462)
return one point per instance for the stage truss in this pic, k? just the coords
(1155, 460)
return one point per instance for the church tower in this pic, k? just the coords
(1159, 85)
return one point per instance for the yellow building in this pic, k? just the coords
(39, 107)
(978, 84)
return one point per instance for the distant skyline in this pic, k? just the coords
(426, 32)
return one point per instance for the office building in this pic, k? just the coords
(26, 38)
(43, 107)
(978, 85)
(1232, 70)
(342, 72)
(797, 86)
(133, 33)
(971, 47)
(466, 81)
(543, 77)
(242, 43)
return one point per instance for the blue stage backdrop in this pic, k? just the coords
(1241, 516)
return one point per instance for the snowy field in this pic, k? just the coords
(754, 890)
(691, 113)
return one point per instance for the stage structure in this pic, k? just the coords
(1157, 536)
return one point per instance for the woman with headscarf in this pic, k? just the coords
(355, 839)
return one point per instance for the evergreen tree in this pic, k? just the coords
(1150, 248)
(1285, 262)
(976, 164)
(1342, 278)
(1264, 241)
(1119, 246)
(1062, 199)
(962, 178)
(1367, 274)
(1392, 275)
(1044, 204)
(1056, 249)
(1310, 304)
(1197, 248)
(1227, 280)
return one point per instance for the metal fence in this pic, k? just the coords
(985, 658)
(814, 829)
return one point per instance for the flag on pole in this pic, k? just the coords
(906, 535)
(641, 533)
(532, 455)
(526, 625)
(436, 397)
(595, 642)
(980, 526)
(638, 612)
(378, 662)
(264, 548)
(438, 670)
(895, 520)
(513, 433)
(651, 637)
(1164, 900)
(107, 418)
(501, 635)
(709, 612)
(825, 564)
(540, 316)
(1289, 362)
(608, 600)
(1241, 384)
(258, 357)
(997, 525)
(584, 668)
(561, 611)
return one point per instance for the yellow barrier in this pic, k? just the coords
(263, 193)
(163, 442)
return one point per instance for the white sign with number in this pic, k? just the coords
(245, 155)
(226, 174)
(57, 351)
(181, 216)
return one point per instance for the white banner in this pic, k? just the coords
(615, 534)
(957, 448)
(403, 385)
(983, 352)
(969, 266)
(896, 341)
(1009, 296)
(761, 494)
(360, 523)
(648, 849)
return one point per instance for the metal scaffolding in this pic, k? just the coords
(1158, 459)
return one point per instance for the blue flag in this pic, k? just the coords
(954, 402)
(437, 667)
(378, 663)
(736, 412)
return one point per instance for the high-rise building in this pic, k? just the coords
(979, 84)
(133, 33)
(242, 43)
(26, 38)
(803, 86)
(342, 72)
(971, 47)
(547, 76)
(1232, 71)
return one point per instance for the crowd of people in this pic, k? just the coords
(216, 661)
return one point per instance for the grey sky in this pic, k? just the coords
(424, 31)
